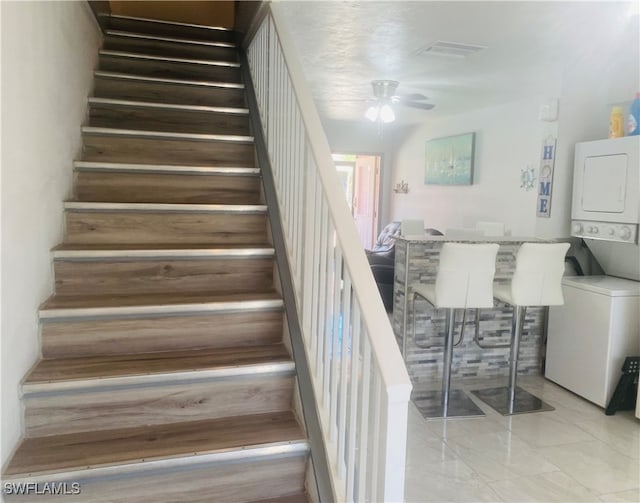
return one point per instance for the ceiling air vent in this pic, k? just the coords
(449, 49)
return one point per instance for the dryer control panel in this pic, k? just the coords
(606, 231)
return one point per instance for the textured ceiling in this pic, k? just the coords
(345, 45)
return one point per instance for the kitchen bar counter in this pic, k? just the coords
(469, 360)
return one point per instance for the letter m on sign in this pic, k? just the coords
(545, 189)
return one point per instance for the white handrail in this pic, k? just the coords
(361, 385)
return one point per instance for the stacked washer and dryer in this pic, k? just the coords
(599, 323)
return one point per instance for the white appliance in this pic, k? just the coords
(606, 203)
(590, 335)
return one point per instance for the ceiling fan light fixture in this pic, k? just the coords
(386, 113)
(372, 113)
(384, 88)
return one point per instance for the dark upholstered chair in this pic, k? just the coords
(381, 259)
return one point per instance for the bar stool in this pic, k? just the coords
(537, 281)
(464, 280)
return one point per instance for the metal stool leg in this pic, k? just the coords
(516, 334)
(448, 402)
(447, 360)
(511, 399)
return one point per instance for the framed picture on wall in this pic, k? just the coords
(449, 160)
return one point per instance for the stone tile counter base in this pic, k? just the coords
(469, 360)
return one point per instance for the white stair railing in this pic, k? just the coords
(361, 385)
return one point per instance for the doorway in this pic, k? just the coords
(360, 177)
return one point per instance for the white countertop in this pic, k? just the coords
(427, 238)
(605, 285)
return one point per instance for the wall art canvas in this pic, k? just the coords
(449, 160)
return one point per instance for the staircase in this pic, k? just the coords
(164, 374)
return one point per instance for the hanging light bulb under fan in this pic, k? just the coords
(381, 111)
(385, 98)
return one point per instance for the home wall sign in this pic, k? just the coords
(545, 177)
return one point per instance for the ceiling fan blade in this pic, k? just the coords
(351, 100)
(412, 97)
(417, 104)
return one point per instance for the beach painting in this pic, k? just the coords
(449, 160)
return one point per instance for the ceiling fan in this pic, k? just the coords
(384, 92)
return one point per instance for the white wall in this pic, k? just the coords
(508, 138)
(604, 73)
(49, 50)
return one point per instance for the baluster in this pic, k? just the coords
(328, 312)
(288, 138)
(374, 471)
(316, 276)
(353, 398)
(322, 293)
(271, 106)
(342, 411)
(335, 363)
(279, 116)
(308, 265)
(297, 169)
(264, 72)
(365, 414)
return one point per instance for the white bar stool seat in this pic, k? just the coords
(464, 280)
(537, 281)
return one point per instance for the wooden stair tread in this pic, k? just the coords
(168, 135)
(64, 369)
(162, 246)
(88, 301)
(170, 59)
(80, 451)
(178, 40)
(160, 106)
(163, 168)
(169, 28)
(168, 80)
(170, 67)
(291, 498)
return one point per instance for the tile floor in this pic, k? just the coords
(572, 454)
